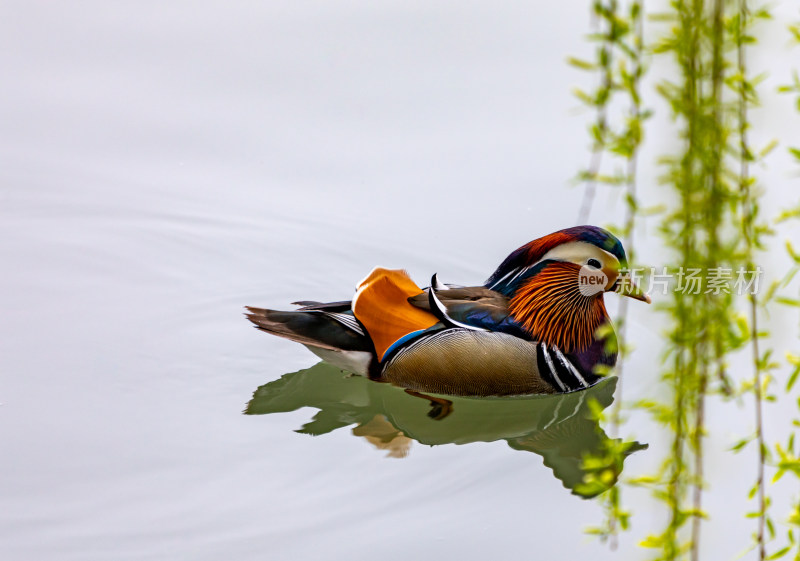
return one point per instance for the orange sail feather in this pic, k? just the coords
(381, 305)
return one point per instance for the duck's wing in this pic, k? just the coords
(322, 328)
(473, 307)
(313, 306)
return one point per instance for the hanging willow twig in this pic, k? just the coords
(610, 30)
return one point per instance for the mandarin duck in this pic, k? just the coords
(535, 326)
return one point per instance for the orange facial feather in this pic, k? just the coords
(552, 309)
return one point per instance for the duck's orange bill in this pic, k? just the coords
(381, 305)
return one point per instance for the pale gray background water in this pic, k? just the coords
(162, 165)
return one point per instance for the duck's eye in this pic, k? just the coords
(594, 263)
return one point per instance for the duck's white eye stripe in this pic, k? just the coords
(580, 253)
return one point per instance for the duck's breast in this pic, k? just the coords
(466, 362)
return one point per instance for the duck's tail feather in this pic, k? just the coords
(314, 328)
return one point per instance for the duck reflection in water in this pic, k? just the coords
(561, 428)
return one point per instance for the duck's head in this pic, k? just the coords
(556, 283)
